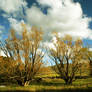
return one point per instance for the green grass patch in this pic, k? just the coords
(50, 85)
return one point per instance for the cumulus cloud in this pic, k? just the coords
(13, 10)
(2, 53)
(1, 29)
(16, 25)
(90, 49)
(63, 16)
(10, 6)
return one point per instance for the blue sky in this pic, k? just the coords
(71, 17)
(87, 7)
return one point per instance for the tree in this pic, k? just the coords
(24, 53)
(88, 56)
(90, 61)
(67, 55)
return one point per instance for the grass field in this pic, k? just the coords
(52, 85)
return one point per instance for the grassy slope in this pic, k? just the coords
(52, 85)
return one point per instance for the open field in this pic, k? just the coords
(52, 85)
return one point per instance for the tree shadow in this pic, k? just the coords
(44, 83)
(67, 90)
(15, 91)
(53, 90)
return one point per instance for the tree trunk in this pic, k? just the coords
(26, 83)
(68, 81)
(20, 83)
(90, 68)
(91, 71)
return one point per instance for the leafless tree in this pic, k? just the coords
(24, 54)
(67, 55)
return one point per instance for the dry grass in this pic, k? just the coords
(51, 85)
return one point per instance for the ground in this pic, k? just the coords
(52, 85)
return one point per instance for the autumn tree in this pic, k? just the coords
(90, 61)
(67, 55)
(87, 53)
(88, 57)
(24, 53)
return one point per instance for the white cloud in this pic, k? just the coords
(49, 45)
(35, 16)
(90, 49)
(10, 6)
(2, 53)
(63, 16)
(1, 29)
(16, 25)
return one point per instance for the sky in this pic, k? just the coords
(73, 17)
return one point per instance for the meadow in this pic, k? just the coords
(51, 83)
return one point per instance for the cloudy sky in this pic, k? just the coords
(72, 17)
